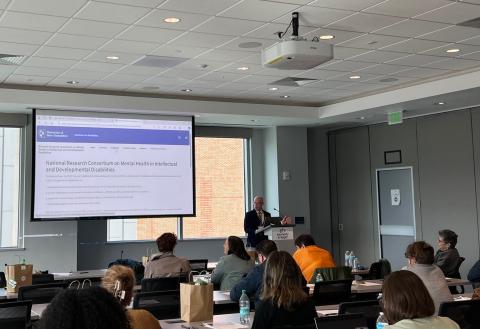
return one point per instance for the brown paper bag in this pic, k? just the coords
(17, 276)
(196, 302)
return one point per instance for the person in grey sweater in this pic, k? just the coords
(447, 256)
(420, 261)
(232, 267)
(165, 263)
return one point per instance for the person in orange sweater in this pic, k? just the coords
(309, 256)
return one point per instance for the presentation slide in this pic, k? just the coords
(98, 165)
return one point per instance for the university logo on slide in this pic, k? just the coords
(41, 133)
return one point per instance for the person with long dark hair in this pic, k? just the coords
(232, 267)
(284, 301)
(407, 304)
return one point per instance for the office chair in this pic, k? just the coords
(162, 304)
(41, 278)
(457, 275)
(332, 273)
(162, 284)
(41, 293)
(369, 308)
(3, 280)
(465, 313)
(198, 264)
(332, 292)
(344, 321)
(379, 270)
(15, 315)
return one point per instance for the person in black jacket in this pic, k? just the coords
(252, 282)
(447, 256)
(253, 220)
(474, 274)
(283, 300)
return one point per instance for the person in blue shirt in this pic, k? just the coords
(252, 282)
(474, 274)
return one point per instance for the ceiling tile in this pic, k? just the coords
(125, 58)
(7, 69)
(221, 76)
(454, 64)
(269, 31)
(23, 36)
(415, 60)
(27, 80)
(442, 51)
(233, 67)
(345, 52)
(61, 82)
(32, 22)
(472, 41)
(223, 55)
(346, 66)
(110, 85)
(452, 34)
(327, 84)
(363, 22)
(139, 3)
(82, 74)
(65, 53)
(199, 64)
(149, 34)
(406, 8)
(454, 13)
(422, 72)
(378, 56)
(356, 5)
(414, 46)
(315, 16)
(258, 79)
(279, 73)
(166, 80)
(93, 28)
(18, 48)
(319, 74)
(147, 71)
(49, 62)
(182, 74)
(235, 43)
(81, 42)
(179, 51)
(372, 41)
(39, 71)
(474, 56)
(363, 77)
(339, 36)
(100, 11)
(411, 28)
(96, 66)
(258, 10)
(48, 7)
(124, 78)
(133, 47)
(193, 39)
(382, 69)
(209, 7)
(228, 26)
(187, 20)
(4, 3)
(204, 84)
(254, 58)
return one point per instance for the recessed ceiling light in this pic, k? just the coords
(273, 89)
(453, 50)
(362, 118)
(355, 77)
(72, 82)
(187, 90)
(112, 57)
(439, 103)
(242, 68)
(285, 96)
(327, 37)
(172, 20)
(254, 120)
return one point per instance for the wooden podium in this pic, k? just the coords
(282, 235)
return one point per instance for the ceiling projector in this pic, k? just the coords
(297, 53)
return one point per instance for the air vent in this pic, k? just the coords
(293, 82)
(472, 23)
(7, 59)
(160, 61)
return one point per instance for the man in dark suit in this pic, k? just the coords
(253, 220)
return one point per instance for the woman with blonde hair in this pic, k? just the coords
(120, 280)
(283, 300)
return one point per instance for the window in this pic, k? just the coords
(9, 187)
(220, 185)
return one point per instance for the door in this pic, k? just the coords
(396, 213)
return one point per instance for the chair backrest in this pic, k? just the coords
(198, 264)
(465, 313)
(40, 278)
(344, 321)
(3, 280)
(457, 268)
(379, 270)
(162, 304)
(369, 308)
(332, 273)
(162, 284)
(332, 292)
(136, 266)
(15, 315)
(41, 293)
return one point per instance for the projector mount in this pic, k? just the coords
(294, 23)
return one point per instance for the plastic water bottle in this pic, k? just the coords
(244, 308)
(350, 259)
(355, 263)
(319, 277)
(347, 258)
(381, 321)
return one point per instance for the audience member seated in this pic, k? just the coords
(165, 263)
(474, 274)
(92, 308)
(447, 256)
(120, 280)
(252, 283)
(283, 300)
(309, 257)
(232, 267)
(408, 305)
(420, 261)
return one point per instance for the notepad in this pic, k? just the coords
(327, 312)
(224, 325)
(369, 284)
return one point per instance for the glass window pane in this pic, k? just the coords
(133, 229)
(220, 189)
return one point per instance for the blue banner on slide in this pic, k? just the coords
(53, 134)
